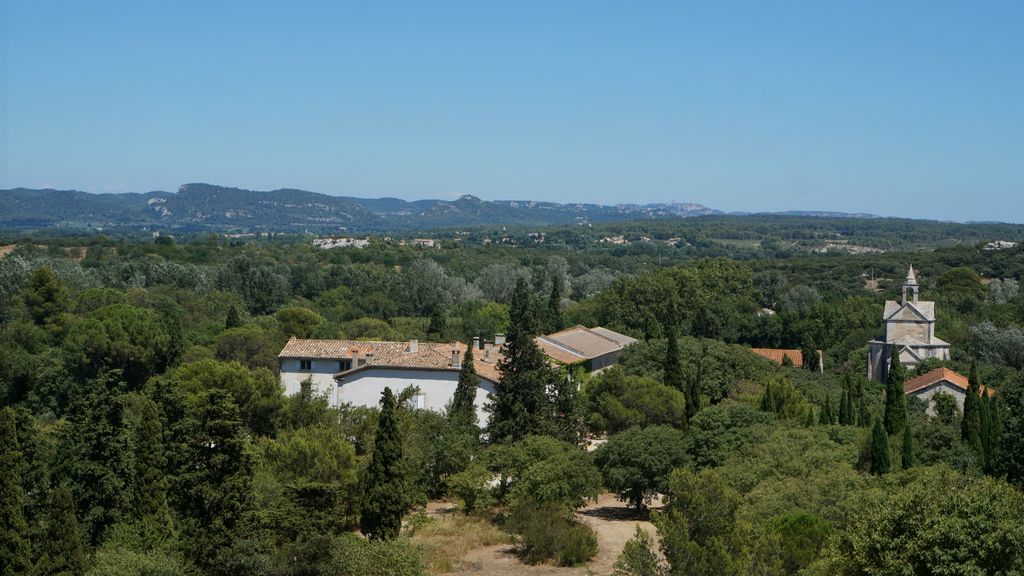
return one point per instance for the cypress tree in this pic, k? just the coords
(995, 435)
(809, 418)
(880, 457)
(970, 425)
(463, 406)
(438, 324)
(811, 360)
(383, 484)
(673, 366)
(768, 398)
(986, 429)
(150, 502)
(520, 403)
(863, 418)
(844, 408)
(62, 550)
(692, 393)
(895, 400)
(787, 361)
(15, 551)
(827, 417)
(555, 306)
(908, 448)
(234, 317)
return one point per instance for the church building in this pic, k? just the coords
(909, 330)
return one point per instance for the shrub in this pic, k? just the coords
(636, 463)
(548, 532)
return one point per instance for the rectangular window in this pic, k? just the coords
(344, 365)
(305, 365)
(419, 401)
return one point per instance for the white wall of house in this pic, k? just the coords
(321, 372)
(363, 388)
(926, 394)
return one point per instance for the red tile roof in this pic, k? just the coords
(776, 354)
(939, 375)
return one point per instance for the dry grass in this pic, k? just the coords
(445, 541)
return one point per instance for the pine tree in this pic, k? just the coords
(520, 404)
(787, 361)
(811, 360)
(463, 407)
(809, 418)
(863, 418)
(895, 399)
(62, 553)
(768, 398)
(15, 551)
(383, 484)
(438, 324)
(692, 393)
(673, 366)
(970, 424)
(150, 501)
(880, 457)
(234, 317)
(908, 457)
(45, 296)
(554, 311)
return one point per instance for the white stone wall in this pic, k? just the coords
(953, 390)
(897, 329)
(364, 387)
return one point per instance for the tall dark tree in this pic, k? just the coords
(845, 409)
(567, 411)
(384, 495)
(520, 404)
(554, 311)
(15, 551)
(62, 553)
(811, 359)
(234, 317)
(970, 424)
(827, 417)
(673, 366)
(216, 483)
(463, 407)
(985, 418)
(438, 324)
(895, 399)
(995, 435)
(881, 459)
(909, 457)
(150, 499)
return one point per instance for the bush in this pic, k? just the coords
(548, 532)
(636, 463)
(354, 556)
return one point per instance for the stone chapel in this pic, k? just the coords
(909, 331)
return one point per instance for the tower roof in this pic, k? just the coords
(911, 278)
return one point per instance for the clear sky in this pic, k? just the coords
(896, 108)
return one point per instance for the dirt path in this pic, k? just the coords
(613, 523)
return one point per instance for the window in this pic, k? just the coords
(305, 365)
(344, 365)
(419, 401)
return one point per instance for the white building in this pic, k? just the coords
(941, 381)
(356, 372)
(909, 330)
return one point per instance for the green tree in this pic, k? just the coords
(970, 424)
(880, 456)
(638, 557)
(122, 337)
(62, 551)
(995, 435)
(45, 296)
(908, 459)
(15, 551)
(985, 419)
(636, 463)
(895, 399)
(846, 405)
(520, 405)
(673, 367)
(234, 317)
(614, 402)
(215, 485)
(298, 321)
(149, 503)
(827, 417)
(463, 406)
(438, 324)
(554, 308)
(809, 352)
(384, 494)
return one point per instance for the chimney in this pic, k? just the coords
(414, 346)
(499, 339)
(355, 358)
(487, 351)
(369, 356)
(476, 342)
(455, 359)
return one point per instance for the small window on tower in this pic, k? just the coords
(305, 365)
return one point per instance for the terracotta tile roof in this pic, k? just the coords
(939, 375)
(580, 343)
(427, 355)
(776, 354)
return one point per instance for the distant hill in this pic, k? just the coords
(197, 207)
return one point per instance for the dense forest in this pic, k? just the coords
(144, 430)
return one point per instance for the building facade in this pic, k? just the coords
(909, 332)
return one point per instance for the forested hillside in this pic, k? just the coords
(144, 430)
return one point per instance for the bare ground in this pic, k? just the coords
(610, 519)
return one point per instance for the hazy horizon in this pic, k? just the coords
(907, 110)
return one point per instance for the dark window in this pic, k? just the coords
(344, 365)
(305, 365)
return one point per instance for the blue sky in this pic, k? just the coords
(896, 108)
